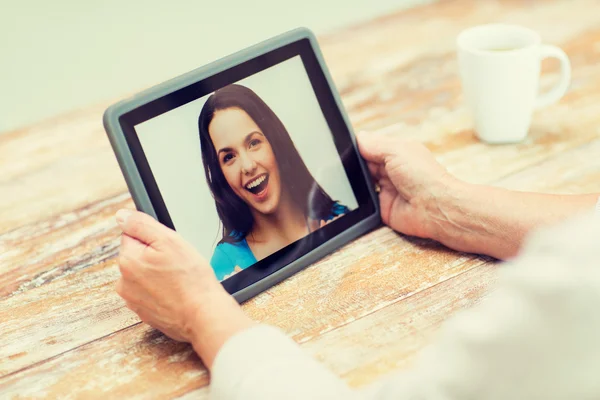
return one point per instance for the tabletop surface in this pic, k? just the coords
(364, 311)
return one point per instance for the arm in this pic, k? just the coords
(494, 221)
(419, 197)
(263, 363)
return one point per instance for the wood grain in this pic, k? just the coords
(141, 352)
(388, 341)
(65, 333)
(36, 254)
(134, 363)
(56, 168)
(84, 306)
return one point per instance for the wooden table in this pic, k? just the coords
(364, 311)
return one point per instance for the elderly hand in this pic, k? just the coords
(413, 185)
(171, 287)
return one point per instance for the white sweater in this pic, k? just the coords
(536, 337)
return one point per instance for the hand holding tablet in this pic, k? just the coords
(251, 159)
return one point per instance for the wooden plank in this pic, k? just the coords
(334, 303)
(109, 368)
(576, 171)
(126, 363)
(66, 313)
(354, 351)
(63, 315)
(375, 271)
(57, 167)
(388, 341)
(36, 254)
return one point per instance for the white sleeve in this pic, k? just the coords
(536, 336)
(262, 363)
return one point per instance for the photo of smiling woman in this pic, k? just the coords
(265, 196)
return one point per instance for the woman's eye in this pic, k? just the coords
(254, 142)
(227, 157)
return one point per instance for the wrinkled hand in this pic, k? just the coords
(164, 279)
(172, 288)
(411, 181)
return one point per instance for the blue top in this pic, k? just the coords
(228, 255)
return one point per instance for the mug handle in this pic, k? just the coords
(561, 87)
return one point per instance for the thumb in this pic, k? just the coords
(141, 226)
(372, 147)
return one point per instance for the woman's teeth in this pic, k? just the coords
(256, 182)
(258, 185)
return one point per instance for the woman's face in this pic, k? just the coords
(246, 159)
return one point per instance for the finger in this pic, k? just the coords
(382, 171)
(387, 202)
(131, 248)
(373, 148)
(237, 268)
(374, 170)
(130, 254)
(120, 287)
(141, 226)
(386, 184)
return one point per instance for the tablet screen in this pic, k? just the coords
(249, 168)
(255, 171)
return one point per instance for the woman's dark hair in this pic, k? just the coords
(303, 189)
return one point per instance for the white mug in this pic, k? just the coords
(500, 70)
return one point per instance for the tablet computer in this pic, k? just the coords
(252, 159)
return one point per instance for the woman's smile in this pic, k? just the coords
(258, 186)
(246, 159)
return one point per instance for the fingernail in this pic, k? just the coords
(122, 216)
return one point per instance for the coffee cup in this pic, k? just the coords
(500, 68)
